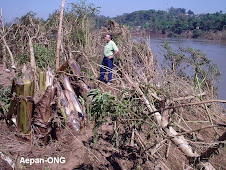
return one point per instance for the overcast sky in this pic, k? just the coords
(18, 8)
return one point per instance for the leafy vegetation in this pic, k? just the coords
(187, 62)
(5, 98)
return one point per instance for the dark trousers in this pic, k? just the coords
(107, 65)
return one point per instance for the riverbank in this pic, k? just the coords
(210, 35)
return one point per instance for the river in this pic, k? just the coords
(214, 50)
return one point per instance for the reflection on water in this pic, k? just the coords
(214, 50)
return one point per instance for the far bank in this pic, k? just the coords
(198, 34)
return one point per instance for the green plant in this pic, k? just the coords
(205, 72)
(100, 107)
(22, 58)
(5, 99)
(44, 56)
(125, 111)
(172, 59)
(188, 62)
(197, 33)
(80, 15)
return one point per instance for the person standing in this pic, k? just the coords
(110, 50)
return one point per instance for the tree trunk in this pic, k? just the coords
(10, 53)
(32, 56)
(59, 36)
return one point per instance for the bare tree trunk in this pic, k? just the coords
(32, 56)
(59, 36)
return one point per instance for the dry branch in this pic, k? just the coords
(195, 130)
(6, 45)
(59, 35)
(210, 151)
(10, 53)
(188, 97)
(87, 59)
(188, 104)
(179, 141)
(4, 58)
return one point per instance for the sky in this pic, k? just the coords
(17, 8)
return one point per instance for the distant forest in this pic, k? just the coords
(174, 21)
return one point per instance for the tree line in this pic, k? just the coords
(172, 21)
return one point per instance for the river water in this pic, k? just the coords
(214, 50)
